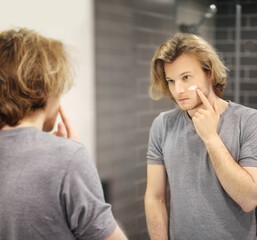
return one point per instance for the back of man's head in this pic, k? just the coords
(32, 69)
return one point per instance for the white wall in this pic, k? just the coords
(72, 22)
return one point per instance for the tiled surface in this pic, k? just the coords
(225, 43)
(225, 35)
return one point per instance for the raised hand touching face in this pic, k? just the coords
(65, 128)
(206, 118)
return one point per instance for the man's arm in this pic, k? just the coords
(117, 235)
(155, 202)
(240, 183)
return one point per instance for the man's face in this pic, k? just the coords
(52, 109)
(184, 75)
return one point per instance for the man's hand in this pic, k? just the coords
(239, 183)
(65, 128)
(206, 118)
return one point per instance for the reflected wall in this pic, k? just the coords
(225, 43)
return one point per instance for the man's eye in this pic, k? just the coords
(186, 77)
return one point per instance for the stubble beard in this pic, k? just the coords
(198, 102)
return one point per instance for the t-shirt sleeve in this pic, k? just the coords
(88, 215)
(248, 150)
(154, 153)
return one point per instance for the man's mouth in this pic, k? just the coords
(182, 99)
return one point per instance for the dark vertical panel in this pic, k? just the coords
(225, 43)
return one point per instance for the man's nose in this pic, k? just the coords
(179, 87)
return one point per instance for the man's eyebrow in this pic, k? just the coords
(183, 73)
(168, 78)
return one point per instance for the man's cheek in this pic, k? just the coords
(192, 88)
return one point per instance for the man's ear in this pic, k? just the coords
(209, 77)
(208, 73)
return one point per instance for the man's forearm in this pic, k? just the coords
(157, 219)
(237, 182)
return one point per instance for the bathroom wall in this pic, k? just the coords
(225, 44)
(127, 34)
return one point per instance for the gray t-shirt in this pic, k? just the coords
(49, 189)
(200, 209)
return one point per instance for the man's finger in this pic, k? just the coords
(62, 130)
(201, 110)
(64, 118)
(67, 123)
(70, 131)
(197, 114)
(204, 100)
(215, 107)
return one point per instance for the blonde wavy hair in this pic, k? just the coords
(191, 44)
(32, 69)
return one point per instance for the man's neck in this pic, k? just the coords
(34, 120)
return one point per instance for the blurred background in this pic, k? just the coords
(112, 43)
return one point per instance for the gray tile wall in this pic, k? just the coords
(127, 34)
(225, 36)
(225, 44)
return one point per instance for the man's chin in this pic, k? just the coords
(48, 127)
(188, 107)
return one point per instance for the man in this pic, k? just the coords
(207, 147)
(49, 187)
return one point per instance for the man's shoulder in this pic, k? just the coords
(61, 141)
(55, 149)
(242, 111)
(169, 116)
(171, 113)
(43, 152)
(60, 145)
(243, 116)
